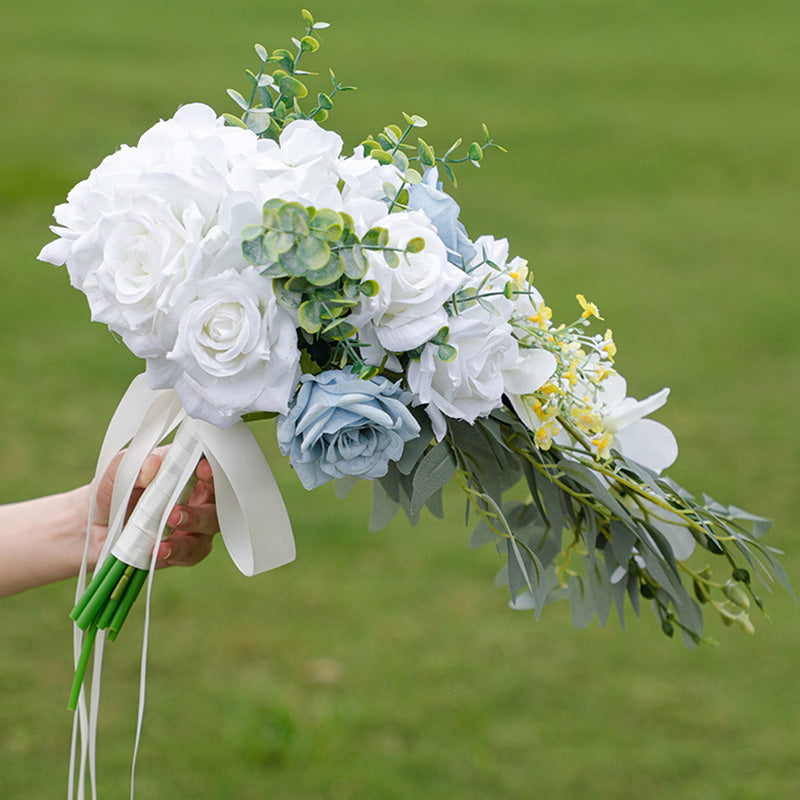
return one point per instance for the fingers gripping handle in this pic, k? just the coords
(144, 528)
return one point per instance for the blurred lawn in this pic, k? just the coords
(653, 166)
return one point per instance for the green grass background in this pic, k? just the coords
(653, 165)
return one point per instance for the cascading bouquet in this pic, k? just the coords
(261, 272)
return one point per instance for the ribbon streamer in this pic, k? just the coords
(254, 525)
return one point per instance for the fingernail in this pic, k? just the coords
(165, 552)
(177, 518)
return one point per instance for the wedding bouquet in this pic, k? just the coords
(262, 272)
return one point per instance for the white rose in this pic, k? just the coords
(152, 219)
(301, 166)
(139, 265)
(408, 309)
(472, 385)
(235, 352)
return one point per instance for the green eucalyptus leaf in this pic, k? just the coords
(261, 52)
(426, 154)
(369, 288)
(234, 121)
(238, 99)
(276, 244)
(284, 58)
(391, 258)
(291, 87)
(375, 237)
(415, 245)
(292, 264)
(329, 222)
(413, 176)
(294, 217)
(250, 232)
(447, 352)
(254, 252)
(381, 156)
(258, 120)
(355, 265)
(449, 172)
(314, 253)
(273, 271)
(415, 120)
(401, 160)
(331, 272)
(309, 317)
(284, 296)
(324, 101)
(309, 44)
(475, 152)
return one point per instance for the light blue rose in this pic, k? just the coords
(443, 212)
(339, 425)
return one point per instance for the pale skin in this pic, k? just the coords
(43, 540)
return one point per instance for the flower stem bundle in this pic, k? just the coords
(104, 606)
(109, 597)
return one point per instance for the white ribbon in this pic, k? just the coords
(254, 523)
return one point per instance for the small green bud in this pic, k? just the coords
(745, 623)
(668, 628)
(699, 592)
(508, 290)
(646, 591)
(736, 595)
(741, 575)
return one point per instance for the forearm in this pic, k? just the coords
(42, 540)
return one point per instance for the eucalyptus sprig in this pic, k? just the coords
(391, 146)
(318, 267)
(277, 89)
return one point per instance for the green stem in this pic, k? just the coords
(80, 669)
(126, 603)
(101, 594)
(91, 588)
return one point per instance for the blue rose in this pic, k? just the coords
(339, 425)
(443, 212)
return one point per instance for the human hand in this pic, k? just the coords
(193, 523)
